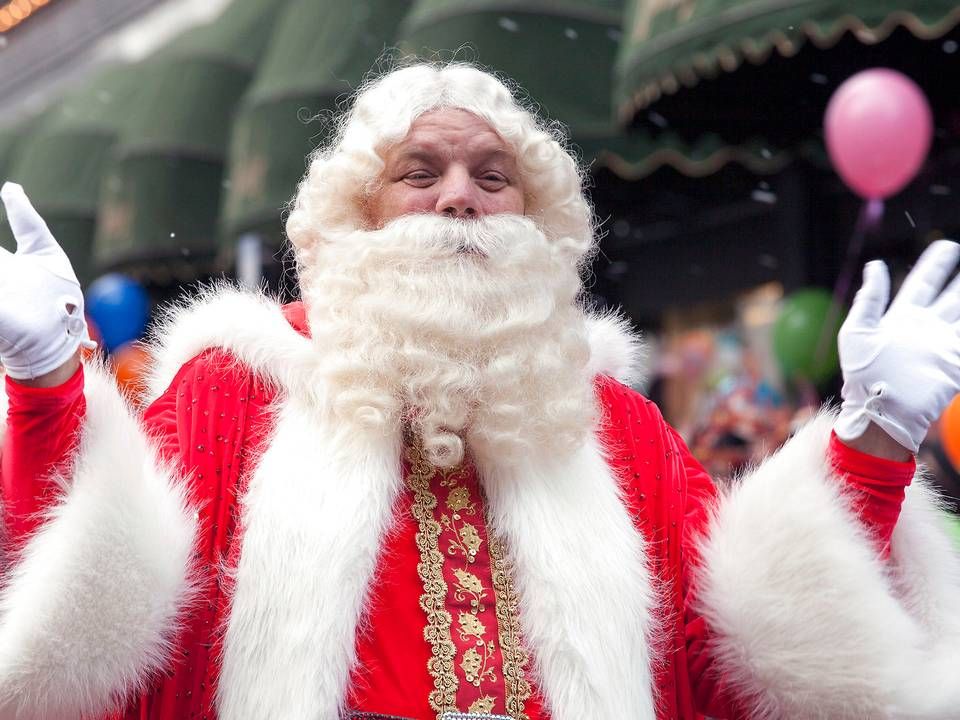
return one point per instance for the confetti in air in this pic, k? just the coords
(657, 119)
(764, 196)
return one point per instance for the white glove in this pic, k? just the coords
(902, 368)
(41, 305)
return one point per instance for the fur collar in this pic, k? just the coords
(321, 500)
(254, 328)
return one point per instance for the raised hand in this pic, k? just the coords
(902, 367)
(41, 305)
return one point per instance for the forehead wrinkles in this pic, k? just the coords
(447, 136)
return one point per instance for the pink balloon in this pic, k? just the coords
(878, 129)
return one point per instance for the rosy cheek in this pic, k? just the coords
(405, 200)
(420, 201)
(511, 202)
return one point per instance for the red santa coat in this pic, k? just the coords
(425, 636)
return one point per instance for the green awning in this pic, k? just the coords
(320, 51)
(163, 187)
(61, 163)
(669, 44)
(636, 156)
(561, 53)
(11, 139)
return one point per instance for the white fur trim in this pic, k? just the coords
(808, 621)
(616, 349)
(314, 518)
(4, 406)
(586, 598)
(252, 328)
(319, 505)
(4, 402)
(88, 613)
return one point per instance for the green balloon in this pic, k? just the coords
(953, 523)
(805, 336)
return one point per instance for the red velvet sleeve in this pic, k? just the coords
(709, 694)
(42, 432)
(209, 424)
(877, 487)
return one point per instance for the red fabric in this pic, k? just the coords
(392, 653)
(877, 486)
(668, 494)
(391, 649)
(296, 315)
(41, 431)
(213, 422)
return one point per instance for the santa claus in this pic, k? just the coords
(425, 492)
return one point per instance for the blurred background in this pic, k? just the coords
(161, 140)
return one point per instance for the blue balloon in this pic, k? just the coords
(120, 308)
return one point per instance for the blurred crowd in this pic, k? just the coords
(732, 408)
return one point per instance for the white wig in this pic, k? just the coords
(412, 332)
(330, 198)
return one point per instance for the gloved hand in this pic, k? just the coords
(41, 305)
(901, 368)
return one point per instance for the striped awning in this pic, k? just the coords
(161, 195)
(11, 138)
(319, 52)
(671, 44)
(61, 162)
(224, 117)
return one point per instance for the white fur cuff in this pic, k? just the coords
(88, 613)
(807, 621)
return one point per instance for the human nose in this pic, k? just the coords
(458, 197)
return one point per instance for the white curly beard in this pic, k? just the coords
(463, 331)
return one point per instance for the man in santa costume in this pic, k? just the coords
(425, 490)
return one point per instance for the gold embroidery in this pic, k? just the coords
(459, 499)
(469, 584)
(476, 659)
(514, 655)
(481, 705)
(469, 541)
(463, 541)
(437, 632)
(474, 663)
(450, 477)
(470, 624)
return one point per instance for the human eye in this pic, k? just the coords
(419, 178)
(493, 180)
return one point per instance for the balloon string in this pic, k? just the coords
(871, 214)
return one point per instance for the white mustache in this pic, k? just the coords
(486, 237)
(469, 247)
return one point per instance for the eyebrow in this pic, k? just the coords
(426, 154)
(415, 153)
(500, 154)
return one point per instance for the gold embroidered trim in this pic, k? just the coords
(515, 657)
(465, 539)
(430, 568)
